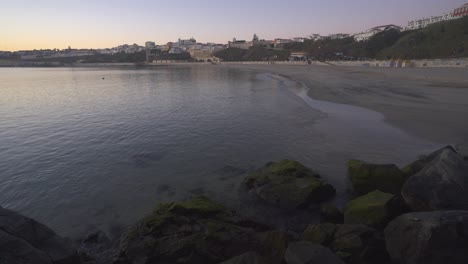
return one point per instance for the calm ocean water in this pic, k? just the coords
(86, 148)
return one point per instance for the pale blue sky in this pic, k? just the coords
(27, 24)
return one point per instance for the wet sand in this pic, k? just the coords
(430, 103)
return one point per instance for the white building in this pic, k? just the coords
(150, 45)
(424, 22)
(240, 44)
(338, 36)
(373, 31)
(315, 37)
(299, 39)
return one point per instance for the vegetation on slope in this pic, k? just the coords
(253, 54)
(441, 40)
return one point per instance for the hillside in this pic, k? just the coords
(252, 54)
(442, 40)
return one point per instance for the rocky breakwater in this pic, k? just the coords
(416, 214)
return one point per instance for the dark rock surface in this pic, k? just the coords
(24, 240)
(429, 238)
(331, 214)
(247, 258)
(194, 231)
(353, 243)
(289, 185)
(304, 252)
(441, 185)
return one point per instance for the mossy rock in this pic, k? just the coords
(416, 166)
(288, 184)
(373, 209)
(330, 214)
(366, 177)
(200, 205)
(194, 231)
(319, 234)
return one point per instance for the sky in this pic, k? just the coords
(44, 24)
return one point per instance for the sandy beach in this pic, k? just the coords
(431, 103)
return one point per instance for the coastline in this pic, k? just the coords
(425, 102)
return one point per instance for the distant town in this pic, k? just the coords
(206, 51)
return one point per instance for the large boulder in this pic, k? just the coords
(353, 243)
(367, 177)
(440, 185)
(429, 238)
(373, 209)
(304, 252)
(195, 231)
(416, 166)
(288, 184)
(24, 240)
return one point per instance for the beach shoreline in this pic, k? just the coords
(426, 102)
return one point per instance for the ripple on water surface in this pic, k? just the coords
(80, 152)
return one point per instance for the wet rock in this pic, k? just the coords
(441, 185)
(194, 231)
(374, 209)
(289, 185)
(352, 243)
(359, 244)
(416, 166)
(366, 177)
(320, 234)
(24, 240)
(331, 214)
(304, 252)
(97, 247)
(274, 245)
(428, 238)
(247, 258)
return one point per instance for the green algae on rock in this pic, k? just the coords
(373, 209)
(194, 231)
(366, 177)
(288, 184)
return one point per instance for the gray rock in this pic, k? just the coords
(440, 185)
(304, 252)
(359, 243)
(429, 238)
(416, 166)
(29, 240)
(247, 258)
(16, 250)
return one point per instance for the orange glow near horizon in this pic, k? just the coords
(49, 24)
